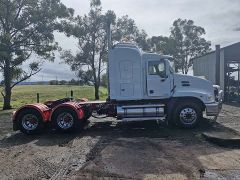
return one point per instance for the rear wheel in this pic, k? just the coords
(65, 120)
(188, 114)
(30, 121)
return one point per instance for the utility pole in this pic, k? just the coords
(238, 88)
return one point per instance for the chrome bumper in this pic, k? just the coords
(214, 109)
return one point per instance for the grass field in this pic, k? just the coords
(28, 94)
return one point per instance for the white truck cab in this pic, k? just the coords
(143, 82)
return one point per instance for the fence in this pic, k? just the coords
(22, 95)
(71, 96)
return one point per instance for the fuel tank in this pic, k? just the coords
(140, 111)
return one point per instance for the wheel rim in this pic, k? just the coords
(188, 116)
(65, 120)
(30, 122)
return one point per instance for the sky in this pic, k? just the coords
(220, 18)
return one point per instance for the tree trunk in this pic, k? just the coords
(7, 99)
(96, 92)
(96, 85)
(7, 86)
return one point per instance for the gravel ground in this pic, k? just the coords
(230, 116)
(112, 150)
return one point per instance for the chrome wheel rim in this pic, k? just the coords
(29, 122)
(188, 116)
(65, 120)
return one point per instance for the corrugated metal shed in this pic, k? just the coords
(206, 66)
(215, 66)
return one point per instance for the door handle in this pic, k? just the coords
(151, 91)
(162, 80)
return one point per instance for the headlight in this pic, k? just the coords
(210, 98)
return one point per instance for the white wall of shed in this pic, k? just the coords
(206, 66)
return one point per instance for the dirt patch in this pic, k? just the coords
(112, 150)
(5, 123)
(230, 116)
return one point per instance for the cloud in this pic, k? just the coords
(237, 29)
(156, 16)
(219, 18)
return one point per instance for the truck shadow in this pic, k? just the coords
(150, 129)
(113, 129)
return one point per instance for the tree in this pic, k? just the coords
(63, 82)
(127, 30)
(72, 82)
(26, 28)
(104, 80)
(90, 30)
(188, 43)
(53, 82)
(162, 45)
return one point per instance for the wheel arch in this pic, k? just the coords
(69, 105)
(42, 109)
(172, 103)
(191, 99)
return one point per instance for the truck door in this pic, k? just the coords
(158, 82)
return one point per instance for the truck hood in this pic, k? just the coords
(193, 82)
(189, 85)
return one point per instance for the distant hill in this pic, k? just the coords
(34, 83)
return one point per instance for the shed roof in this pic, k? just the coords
(231, 53)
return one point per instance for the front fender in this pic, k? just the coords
(202, 96)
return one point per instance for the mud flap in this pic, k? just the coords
(170, 122)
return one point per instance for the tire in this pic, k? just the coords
(65, 120)
(30, 121)
(187, 114)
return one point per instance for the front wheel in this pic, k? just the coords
(188, 114)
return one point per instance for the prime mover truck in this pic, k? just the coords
(142, 86)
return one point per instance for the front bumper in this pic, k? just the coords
(214, 109)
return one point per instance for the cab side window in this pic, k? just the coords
(157, 68)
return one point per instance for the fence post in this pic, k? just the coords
(72, 94)
(38, 97)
